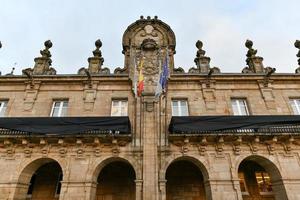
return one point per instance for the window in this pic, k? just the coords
(59, 108)
(119, 108)
(263, 182)
(295, 104)
(3, 106)
(179, 108)
(243, 183)
(239, 107)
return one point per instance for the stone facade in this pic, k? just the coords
(150, 163)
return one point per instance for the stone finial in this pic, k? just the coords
(255, 63)
(43, 63)
(297, 45)
(97, 52)
(46, 53)
(202, 61)
(200, 52)
(95, 62)
(251, 52)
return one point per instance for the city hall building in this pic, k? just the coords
(207, 136)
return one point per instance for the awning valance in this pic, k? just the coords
(238, 124)
(64, 125)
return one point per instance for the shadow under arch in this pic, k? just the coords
(195, 169)
(193, 160)
(115, 179)
(271, 168)
(29, 168)
(109, 160)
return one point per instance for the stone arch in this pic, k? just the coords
(98, 166)
(195, 165)
(26, 172)
(115, 177)
(199, 163)
(272, 169)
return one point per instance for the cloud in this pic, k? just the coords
(223, 26)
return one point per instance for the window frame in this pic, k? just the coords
(237, 101)
(119, 100)
(294, 100)
(263, 179)
(3, 106)
(61, 105)
(179, 100)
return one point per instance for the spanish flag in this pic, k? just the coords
(140, 86)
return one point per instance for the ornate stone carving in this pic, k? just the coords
(202, 62)
(185, 146)
(202, 147)
(43, 63)
(147, 38)
(237, 146)
(95, 62)
(220, 145)
(297, 45)
(178, 70)
(255, 63)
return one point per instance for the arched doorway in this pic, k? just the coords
(260, 180)
(116, 181)
(42, 180)
(185, 181)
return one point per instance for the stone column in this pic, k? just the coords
(221, 190)
(138, 189)
(78, 190)
(149, 133)
(13, 191)
(162, 189)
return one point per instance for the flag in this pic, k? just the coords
(140, 86)
(135, 78)
(163, 78)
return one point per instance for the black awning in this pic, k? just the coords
(64, 125)
(229, 124)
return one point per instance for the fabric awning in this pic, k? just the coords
(239, 124)
(64, 125)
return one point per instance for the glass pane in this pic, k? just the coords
(65, 104)
(55, 112)
(239, 107)
(267, 181)
(175, 103)
(63, 111)
(175, 111)
(184, 108)
(295, 104)
(115, 108)
(243, 109)
(124, 108)
(3, 105)
(115, 103)
(183, 103)
(234, 107)
(263, 182)
(56, 104)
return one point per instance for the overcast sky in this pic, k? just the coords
(222, 25)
